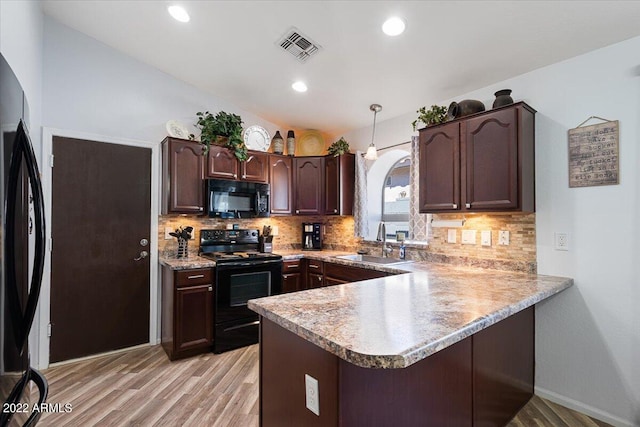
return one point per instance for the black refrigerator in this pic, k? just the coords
(23, 390)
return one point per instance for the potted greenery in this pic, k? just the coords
(433, 116)
(339, 147)
(222, 129)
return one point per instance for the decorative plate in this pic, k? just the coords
(257, 138)
(311, 143)
(177, 129)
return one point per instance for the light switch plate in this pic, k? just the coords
(468, 237)
(168, 230)
(485, 237)
(503, 237)
(312, 397)
(451, 236)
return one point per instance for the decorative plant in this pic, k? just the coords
(222, 125)
(433, 116)
(339, 147)
(182, 233)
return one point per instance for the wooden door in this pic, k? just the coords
(308, 185)
(183, 172)
(439, 189)
(194, 317)
(490, 159)
(221, 163)
(101, 208)
(255, 168)
(281, 179)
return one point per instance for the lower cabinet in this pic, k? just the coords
(292, 278)
(187, 311)
(335, 274)
(315, 274)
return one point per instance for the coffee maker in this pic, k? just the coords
(312, 236)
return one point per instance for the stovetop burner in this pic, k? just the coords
(225, 246)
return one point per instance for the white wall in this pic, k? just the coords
(21, 45)
(587, 338)
(91, 87)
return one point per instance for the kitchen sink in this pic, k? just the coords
(372, 259)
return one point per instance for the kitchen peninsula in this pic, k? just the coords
(441, 346)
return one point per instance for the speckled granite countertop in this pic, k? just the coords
(186, 263)
(395, 321)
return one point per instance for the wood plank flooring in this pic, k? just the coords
(143, 388)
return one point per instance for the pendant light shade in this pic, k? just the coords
(372, 153)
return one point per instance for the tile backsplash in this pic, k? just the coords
(519, 255)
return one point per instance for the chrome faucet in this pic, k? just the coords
(382, 237)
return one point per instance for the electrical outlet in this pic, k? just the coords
(451, 236)
(274, 230)
(485, 237)
(168, 230)
(312, 396)
(561, 241)
(468, 237)
(503, 237)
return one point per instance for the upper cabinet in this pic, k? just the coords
(308, 183)
(484, 163)
(223, 164)
(339, 177)
(182, 175)
(281, 179)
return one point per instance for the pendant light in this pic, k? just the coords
(372, 153)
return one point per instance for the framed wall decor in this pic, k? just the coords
(593, 154)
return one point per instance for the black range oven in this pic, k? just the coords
(242, 273)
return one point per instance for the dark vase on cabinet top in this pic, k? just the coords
(502, 98)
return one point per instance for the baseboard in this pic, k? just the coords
(94, 356)
(583, 408)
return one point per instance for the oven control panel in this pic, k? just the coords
(212, 237)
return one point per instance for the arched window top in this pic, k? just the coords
(396, 196)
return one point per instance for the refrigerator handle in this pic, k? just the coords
(43, 388)
(23, 149)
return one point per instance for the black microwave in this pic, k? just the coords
(236, 199)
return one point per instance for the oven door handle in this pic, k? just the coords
(244, 325)
(228, 265)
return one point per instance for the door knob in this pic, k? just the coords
(143, 254)
(144, 242)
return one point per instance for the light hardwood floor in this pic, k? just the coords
(143, 388)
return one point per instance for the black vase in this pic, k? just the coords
(502, 98)
(464, 108)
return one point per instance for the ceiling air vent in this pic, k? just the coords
(298, 45)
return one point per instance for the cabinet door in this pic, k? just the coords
(281, 179)
(331, 186)
(315, 281)
(490, 161)
(193, 317)
(308, 185)
(255, 167)
(182, 176)
(291, 282)
(439, 188)
(222, 163)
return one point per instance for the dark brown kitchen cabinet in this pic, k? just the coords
(281, 180)
(187, 311)
(182, 174)
(335, 274)
(339, 177)
(292, 278)
(484, 163)
(308, 184)
(222, 163)
(315, 274)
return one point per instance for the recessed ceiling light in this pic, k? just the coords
(178, 13)
(299, 86)
(393, 26)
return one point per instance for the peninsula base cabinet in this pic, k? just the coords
(187, 312)
(481, 381)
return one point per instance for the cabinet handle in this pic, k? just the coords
(468, 205)
(244, 176)
(200, 209)
(197, 276)
(210, 289)
(335, 211)
(297, 211)
(454, 206)
(313, 266)
(293, 266)
(235, 176)
(319, 278)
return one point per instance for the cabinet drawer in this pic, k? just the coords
(291, 266)
(201, 276)
(315, 266)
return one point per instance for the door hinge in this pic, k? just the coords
(51, 160)
(49, 330)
